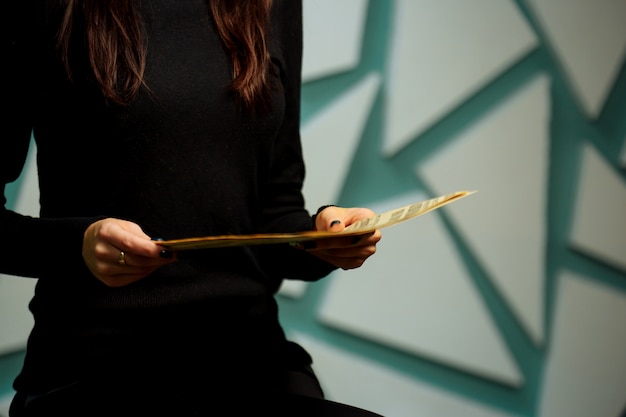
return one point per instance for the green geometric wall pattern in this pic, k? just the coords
(511, 302)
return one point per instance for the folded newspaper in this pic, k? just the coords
(363, 226)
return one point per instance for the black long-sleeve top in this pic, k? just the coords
(181, 160)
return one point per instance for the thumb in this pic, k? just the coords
(330, 220)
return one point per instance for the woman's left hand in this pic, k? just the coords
(347, 252)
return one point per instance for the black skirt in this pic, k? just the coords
(289, 393)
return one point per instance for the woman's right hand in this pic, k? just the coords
(118, 252)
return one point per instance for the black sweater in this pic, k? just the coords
(180, 161)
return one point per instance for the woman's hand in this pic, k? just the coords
(344, 252)
(118, 252)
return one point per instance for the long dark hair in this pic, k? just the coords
(116, 46)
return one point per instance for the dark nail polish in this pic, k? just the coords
(334, 222)
(166, 254)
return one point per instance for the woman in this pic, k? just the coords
(161, 119)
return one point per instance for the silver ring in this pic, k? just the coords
(122, 258)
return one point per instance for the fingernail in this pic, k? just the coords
(166, 254)
(157, 238)
(334, 222)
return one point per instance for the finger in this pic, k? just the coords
(115, 275)
(343, 262)
(366, 239)
(126, 258)
(330, 219)
(348, 216)
(362, 252)
(356, 251)
(129, 237)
